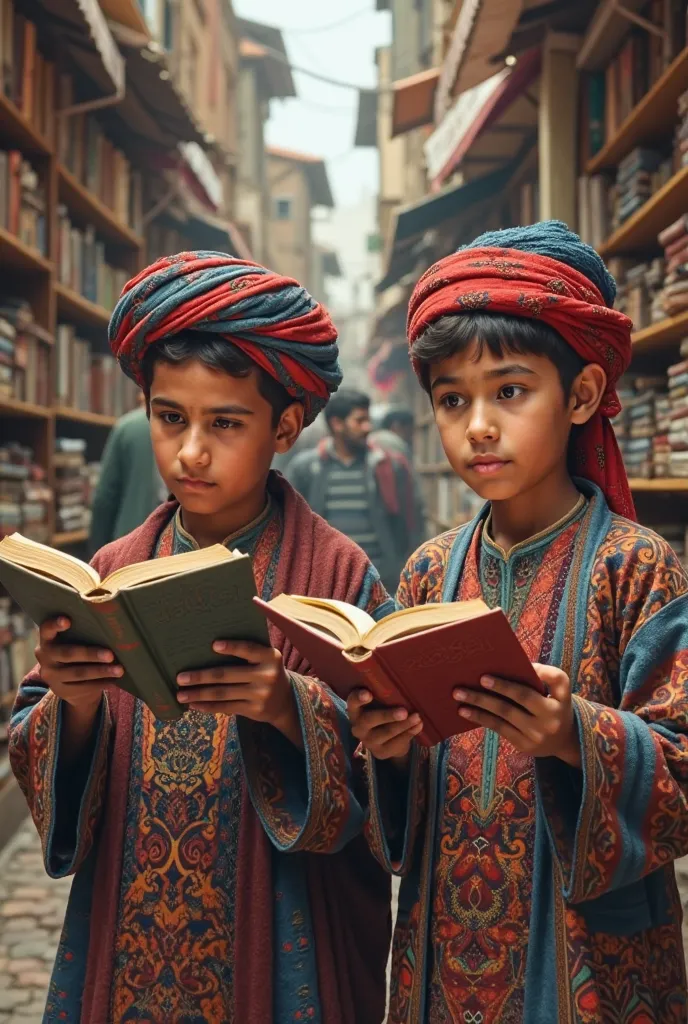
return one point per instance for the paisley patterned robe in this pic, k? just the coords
(533, 892)
(181, 912)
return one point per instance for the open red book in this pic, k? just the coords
(414, 658)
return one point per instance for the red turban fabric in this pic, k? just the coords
(528, 285)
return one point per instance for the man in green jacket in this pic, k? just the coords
(130, 486)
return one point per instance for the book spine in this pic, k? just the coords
(129, 646)
(377, 677)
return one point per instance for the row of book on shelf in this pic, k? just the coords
(656, 289)
(652, 427)
(82, 263)
(90, 381)
(22, 201)
(24, 354)
(28, 79)
(17, 643)
(610, 95)
(27, 499)
(605, 205)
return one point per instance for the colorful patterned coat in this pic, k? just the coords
(533, 892)
(181, 910)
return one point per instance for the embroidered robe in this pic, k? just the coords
(531, 891)
(181, 910)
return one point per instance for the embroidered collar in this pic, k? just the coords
(246, 535)
(544, 536)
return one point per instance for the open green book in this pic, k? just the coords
(159, 617)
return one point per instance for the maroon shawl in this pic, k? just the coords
(319, 561)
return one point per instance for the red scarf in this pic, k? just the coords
(526, 285)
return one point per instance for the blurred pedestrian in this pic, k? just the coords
(363, 490)
(395, 434)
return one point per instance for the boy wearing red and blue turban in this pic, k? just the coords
(537, 848)
(191, 900)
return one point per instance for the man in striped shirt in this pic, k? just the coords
(362, 490)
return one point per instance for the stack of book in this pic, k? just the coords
(642, 427)
(98, 164)
(22, 201)
(594, 213)
(25, 497)
(82, 265)
(71, 485)
(90, 381)
(682, 131)
(24, 354)
(640, 291)
(17, 642)
(28, 80)
(638, 176)
(678, 419)
(674, 241)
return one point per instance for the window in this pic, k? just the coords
(283, 208)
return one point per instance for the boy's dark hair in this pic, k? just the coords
(499, 333)
(343, 403)
(217, 354)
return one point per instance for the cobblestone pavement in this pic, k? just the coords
(32, 907)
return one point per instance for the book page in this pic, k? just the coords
(59, 565)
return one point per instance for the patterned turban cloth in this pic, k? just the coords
(271, 318)
(546, 273)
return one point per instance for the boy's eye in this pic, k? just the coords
(511, 391)
(225, 424)
(173, 418)
(451, 401)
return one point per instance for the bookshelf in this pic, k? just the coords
(15, 254)
(76, 309)
(91, 419)
(639, 232)
(91, 209)
(662, 334)
(68, 540)
(671, 485)
(652, 119)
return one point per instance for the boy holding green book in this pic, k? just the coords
(181, 909)
(537, 849)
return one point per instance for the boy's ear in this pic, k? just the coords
(587, 393)
(289, 427)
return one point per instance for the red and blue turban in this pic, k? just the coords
(544, 272)
(271, 318)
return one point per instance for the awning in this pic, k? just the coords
(366, 122)
(153, 107)
(265, 44)
(82, 28)
(483, 29)
(413, 101)
(127, 13)
(413, 221)
(213, 231)
(314, 169)
(491, 105)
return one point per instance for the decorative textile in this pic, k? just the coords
(531, 891)
(513, 273)
(271, 318)
(86, 828)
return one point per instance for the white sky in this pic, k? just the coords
(322, 119)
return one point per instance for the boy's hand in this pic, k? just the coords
(260, 690)
(75, 674)
(385, 732)
(540, 726)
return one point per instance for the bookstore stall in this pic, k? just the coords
(81, 182)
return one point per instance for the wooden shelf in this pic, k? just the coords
(662, 334)
(91, 209)
(16, 409)
(672, 484)
(15, 255)
(16, 130)
(93, 419)
(74, 307)
(607, 29)
(655, 117)
(66, 540)
(640, 231)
